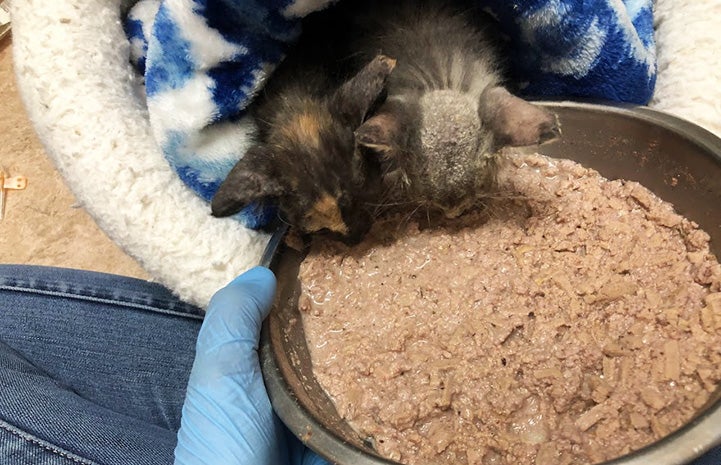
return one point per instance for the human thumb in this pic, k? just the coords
(235, 315)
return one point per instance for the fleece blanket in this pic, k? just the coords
(204, 61)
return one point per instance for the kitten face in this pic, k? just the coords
(327, 183)
(309, 163)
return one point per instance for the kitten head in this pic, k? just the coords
(441, 144)
(309, 163)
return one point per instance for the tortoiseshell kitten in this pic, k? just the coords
(306, 159)
(329, 154)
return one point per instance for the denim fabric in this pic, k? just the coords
(713, 457)
(93, 367)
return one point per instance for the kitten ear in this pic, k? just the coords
(388, 129)
(379, 133)
(515, 122)
(355, 98)
(250, 180)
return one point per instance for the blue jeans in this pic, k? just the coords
(93, 368)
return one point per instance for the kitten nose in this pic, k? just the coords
(357, 228)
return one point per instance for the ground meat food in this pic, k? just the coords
(574, 321)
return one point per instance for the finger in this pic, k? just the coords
(226, 351)
(227, 415)
(236, 312)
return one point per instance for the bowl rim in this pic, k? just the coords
(700, 434)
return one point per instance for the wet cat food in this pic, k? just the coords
(575, 320)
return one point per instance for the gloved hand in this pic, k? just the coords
(227, 417)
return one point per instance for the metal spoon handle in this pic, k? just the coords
(273, 244)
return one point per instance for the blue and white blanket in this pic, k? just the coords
(205, 60)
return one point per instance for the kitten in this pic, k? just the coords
(306, 159)
(446, 114)
(419, 128)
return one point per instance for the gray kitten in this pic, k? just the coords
(446, 113)
(382, 103)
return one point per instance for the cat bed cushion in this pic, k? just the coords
(88, 105)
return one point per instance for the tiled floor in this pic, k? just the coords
(42, 224)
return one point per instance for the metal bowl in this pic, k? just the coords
(676, 159)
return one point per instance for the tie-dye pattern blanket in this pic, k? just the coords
(204, 61)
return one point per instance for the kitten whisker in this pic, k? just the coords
(392, 204)
(410, 216)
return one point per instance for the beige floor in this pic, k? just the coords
(42, 224)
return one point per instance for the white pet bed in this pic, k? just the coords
(71, 59)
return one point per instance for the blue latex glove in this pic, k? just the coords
(227, 417)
